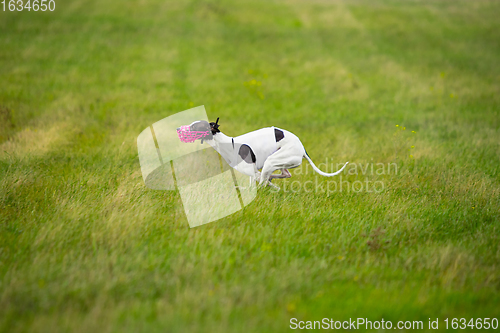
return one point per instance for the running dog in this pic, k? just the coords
(268, 149)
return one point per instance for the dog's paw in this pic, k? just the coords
(274, 188)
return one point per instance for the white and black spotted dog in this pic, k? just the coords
(268, 149)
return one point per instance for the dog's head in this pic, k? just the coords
(198, 130)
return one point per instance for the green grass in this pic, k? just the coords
(86, 247)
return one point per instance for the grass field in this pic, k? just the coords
(86, 247)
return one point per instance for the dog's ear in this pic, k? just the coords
(215, 126)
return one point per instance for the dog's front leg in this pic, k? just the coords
(267, 170)
(256, 173)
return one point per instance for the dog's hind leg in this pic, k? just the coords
(284, 174)
(279, 160)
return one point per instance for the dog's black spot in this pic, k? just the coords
(279, 135)
(246, 154)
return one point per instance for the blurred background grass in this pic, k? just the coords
(86, 247)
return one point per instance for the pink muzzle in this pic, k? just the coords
(186, 135)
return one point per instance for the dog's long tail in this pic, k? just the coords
(321, 172)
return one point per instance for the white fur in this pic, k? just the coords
(282, 155)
